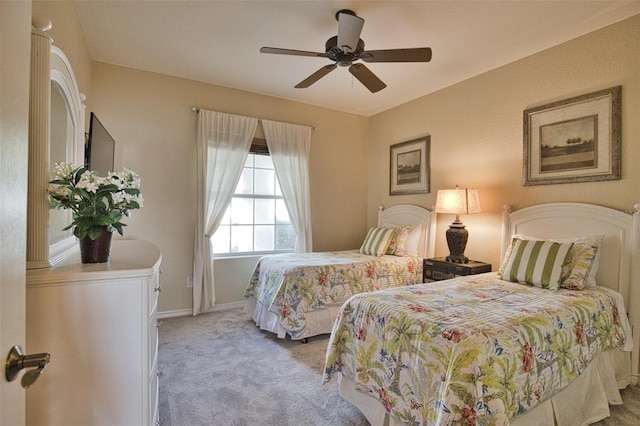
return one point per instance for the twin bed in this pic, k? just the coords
(482, 349)
(544, 340)
(300, 294)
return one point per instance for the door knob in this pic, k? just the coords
(16, 361)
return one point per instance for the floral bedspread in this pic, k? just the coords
(293, 284)
(471, 350)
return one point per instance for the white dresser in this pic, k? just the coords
(99, 323)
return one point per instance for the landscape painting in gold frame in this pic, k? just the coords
(573, 140)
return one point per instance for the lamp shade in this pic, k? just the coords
(458, 201)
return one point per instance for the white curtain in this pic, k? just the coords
(224, 141)
(289, 147)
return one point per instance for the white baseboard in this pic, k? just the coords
(173, 314)
(189, 312)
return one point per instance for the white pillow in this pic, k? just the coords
(413, 240)
(590, 280)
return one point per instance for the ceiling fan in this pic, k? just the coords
(347, 47)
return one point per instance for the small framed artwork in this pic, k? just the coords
(409, 167)
(573, 140)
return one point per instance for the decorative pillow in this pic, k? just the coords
(579, 264)
(402, 235)
(398, 238)
(393, 244)
(538, 263)
(590, 280)
(507, 254)
(377, 241)
(586, 258)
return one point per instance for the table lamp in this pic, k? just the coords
(457, 201)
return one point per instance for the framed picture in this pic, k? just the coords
(574, 140)
(409, 167)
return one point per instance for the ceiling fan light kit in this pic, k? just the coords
(347, 47)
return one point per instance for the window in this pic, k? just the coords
(256, 220)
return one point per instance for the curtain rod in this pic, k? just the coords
(197, 109)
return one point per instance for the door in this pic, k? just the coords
(15, 42)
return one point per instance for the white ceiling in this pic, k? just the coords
(218, 41)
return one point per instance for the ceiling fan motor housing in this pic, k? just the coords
(343, 59)
(347, 11)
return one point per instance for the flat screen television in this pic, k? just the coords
(98, 153)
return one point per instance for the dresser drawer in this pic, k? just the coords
(154, 399)
(154, 292)
(153, 345)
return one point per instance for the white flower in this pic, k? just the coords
(117, 198)
(138, 199)
(59, 190)
(88, 182)
(63, 170)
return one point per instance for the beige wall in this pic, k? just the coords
(150, 117)
(476, 130)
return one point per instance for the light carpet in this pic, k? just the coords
(220, 369)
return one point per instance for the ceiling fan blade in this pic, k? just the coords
(316, 76)
(366, 77)
(420, 54)
(349, 29)
(279, 51)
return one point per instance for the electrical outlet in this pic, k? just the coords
(190, 281)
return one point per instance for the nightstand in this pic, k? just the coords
(438, 268)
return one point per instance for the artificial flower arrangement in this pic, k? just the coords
(98, 203)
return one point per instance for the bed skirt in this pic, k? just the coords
(585, 401)
(317, 322)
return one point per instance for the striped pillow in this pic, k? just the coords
(581, 265)
(538, 263)
(377, 241)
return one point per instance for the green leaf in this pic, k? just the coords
(118, 226)
(94, 233)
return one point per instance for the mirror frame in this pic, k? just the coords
(62, 75)
(48, 64)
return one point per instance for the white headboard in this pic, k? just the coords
(620, 257)
(406, 214)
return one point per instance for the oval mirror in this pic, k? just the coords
(60, 146)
